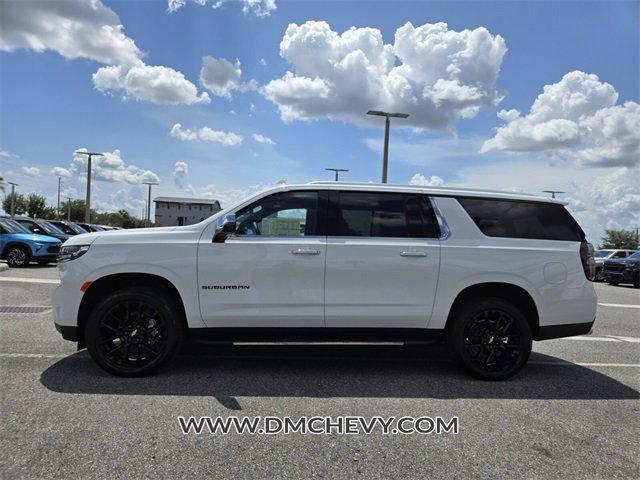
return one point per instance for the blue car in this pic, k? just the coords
(623, 270)
(18, 246)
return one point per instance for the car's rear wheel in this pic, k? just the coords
(134, 331)
(490, 337)
(636, 280)
(17, 256)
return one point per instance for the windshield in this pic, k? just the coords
(50, 228)
(77, 228)
(635, 256)
(602, 253)
(11, 226)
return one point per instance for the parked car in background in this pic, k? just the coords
(603, 255)
(18, 246)
(67, 227)
(41, 227)
(91, 227)
(623, 270)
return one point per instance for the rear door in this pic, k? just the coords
(383, 258)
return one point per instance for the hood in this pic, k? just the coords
(115, 236)
(622, 261)
(34, 237)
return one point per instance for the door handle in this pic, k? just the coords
(305, 251)
(413, 254)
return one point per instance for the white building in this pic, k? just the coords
(172, 211)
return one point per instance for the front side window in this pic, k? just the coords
(373, 214)
(288, 214)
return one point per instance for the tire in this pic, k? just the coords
(134, 331)
(598, 276)
(613, 283)
(636, 280)
(18, 256)
(490, 337)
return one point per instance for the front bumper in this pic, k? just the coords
(618, 276)
(68, 332)
(45, 258)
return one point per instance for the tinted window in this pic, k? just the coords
(369, 214)
(517, 219)
(619, 255)
(289, 214)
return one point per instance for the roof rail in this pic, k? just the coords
(444, 188)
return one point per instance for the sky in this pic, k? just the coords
(220, 99)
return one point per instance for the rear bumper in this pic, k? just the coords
(68, 332)
(548, 332)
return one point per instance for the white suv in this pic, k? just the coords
(487, 272)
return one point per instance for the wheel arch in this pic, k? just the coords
(15, 243)
(514, 294)
(113, 282)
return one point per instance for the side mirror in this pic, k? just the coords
(226, 226)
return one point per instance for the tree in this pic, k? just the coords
(3, 184)
(77, 211)
(20, 204)
(37, 207)
(623, 239)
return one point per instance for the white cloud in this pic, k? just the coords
(260, 8)
(421, 180)
(89, 29)
(7, 154)
(435, 74)
(111, 168)
(222, 77)
(262, 139)
(206, 134)
(226, 196)
(31, 171)
(82, 29)
(160, 85)
(60, 172)
(180, 170)
(576, 119)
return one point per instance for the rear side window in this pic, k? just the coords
(369, 214)
(520, 219)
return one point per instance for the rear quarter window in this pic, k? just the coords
(522, 219)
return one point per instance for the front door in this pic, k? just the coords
(271, 272)
(383, 258)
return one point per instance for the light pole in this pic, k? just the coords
(149, 201)
(552, 192)
(337, 171)
(387, 122)
(87, 207)
(13, 198)
(68, 209)
(58, 209)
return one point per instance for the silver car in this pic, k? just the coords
(606, 254)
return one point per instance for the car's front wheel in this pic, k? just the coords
(134, 331)
(490, 337)
(636, 280)
(17, 256)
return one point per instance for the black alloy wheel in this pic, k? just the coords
(133, 331)
(17, 257)
(491, 338)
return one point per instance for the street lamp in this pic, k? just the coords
(552, 192)
(68, 209)
(13, 198)
(385, 156)
(337, 171)
(87, 211)
(149, 201)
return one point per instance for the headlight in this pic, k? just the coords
(38, 246)
(629, 266)
(72, 252)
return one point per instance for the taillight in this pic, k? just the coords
(588, 260)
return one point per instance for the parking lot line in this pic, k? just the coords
(619, 305)
(29, 280)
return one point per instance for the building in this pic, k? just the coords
(171, 211)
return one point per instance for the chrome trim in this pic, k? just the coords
(445, 232)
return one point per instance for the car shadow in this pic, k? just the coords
(329, 371)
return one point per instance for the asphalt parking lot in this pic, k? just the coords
(572, 412)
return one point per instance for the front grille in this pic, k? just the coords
(614, 267)
(53, 248)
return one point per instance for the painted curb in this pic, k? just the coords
(3, 267)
